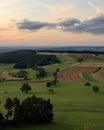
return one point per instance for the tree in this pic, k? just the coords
(41, 73)
(25, 88)
(34, 110)
(1, 119)
(95, 89)
(17, 110)
(31, 110)
(87, 84)
(80, 59)
(9, 105)
(22, 74)
(56, 76)
(48, 84)
(57, 70)
(16, 102)
(54, 82)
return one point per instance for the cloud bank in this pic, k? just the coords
(93, 26)
(33, 25)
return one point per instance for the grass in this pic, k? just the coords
(66, 61)
(102, 74)
(99, 58)
(88, 77)
(75, 104)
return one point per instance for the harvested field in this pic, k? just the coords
(7, 76)
(98, 75)
(73, 74)
(86, 57)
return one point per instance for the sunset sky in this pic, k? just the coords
(51, 22)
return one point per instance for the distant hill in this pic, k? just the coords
(27, 59)
(52, 48)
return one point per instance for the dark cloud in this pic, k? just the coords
(34, 25)
(94, 25)
(69, 22)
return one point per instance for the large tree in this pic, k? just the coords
(9, 107)
(25, 88)
(34, 110)
(1, 119)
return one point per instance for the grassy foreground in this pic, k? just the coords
(75, 105)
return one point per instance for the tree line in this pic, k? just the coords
(27, 59)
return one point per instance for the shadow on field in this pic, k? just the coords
(52, 126)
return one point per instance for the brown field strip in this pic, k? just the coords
(73, 74)
(84, 56)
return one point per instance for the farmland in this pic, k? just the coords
(76, 106)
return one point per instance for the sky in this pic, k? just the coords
(52, 23)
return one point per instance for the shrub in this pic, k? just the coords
(95, 89)
(25, 88)
(87, 84)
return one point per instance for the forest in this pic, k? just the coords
(26, 59)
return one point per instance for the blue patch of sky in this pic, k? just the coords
(29, 9)
(82, 4)
(99, 3)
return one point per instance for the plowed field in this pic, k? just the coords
(73, 74)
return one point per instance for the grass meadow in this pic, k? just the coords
(75, 106)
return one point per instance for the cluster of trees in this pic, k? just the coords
(30, 111)
(55, 80)
(21, 74)
(55, 74)
(27, 58)
(41, 72)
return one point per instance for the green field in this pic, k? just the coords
(75, 105)
(88, 77)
